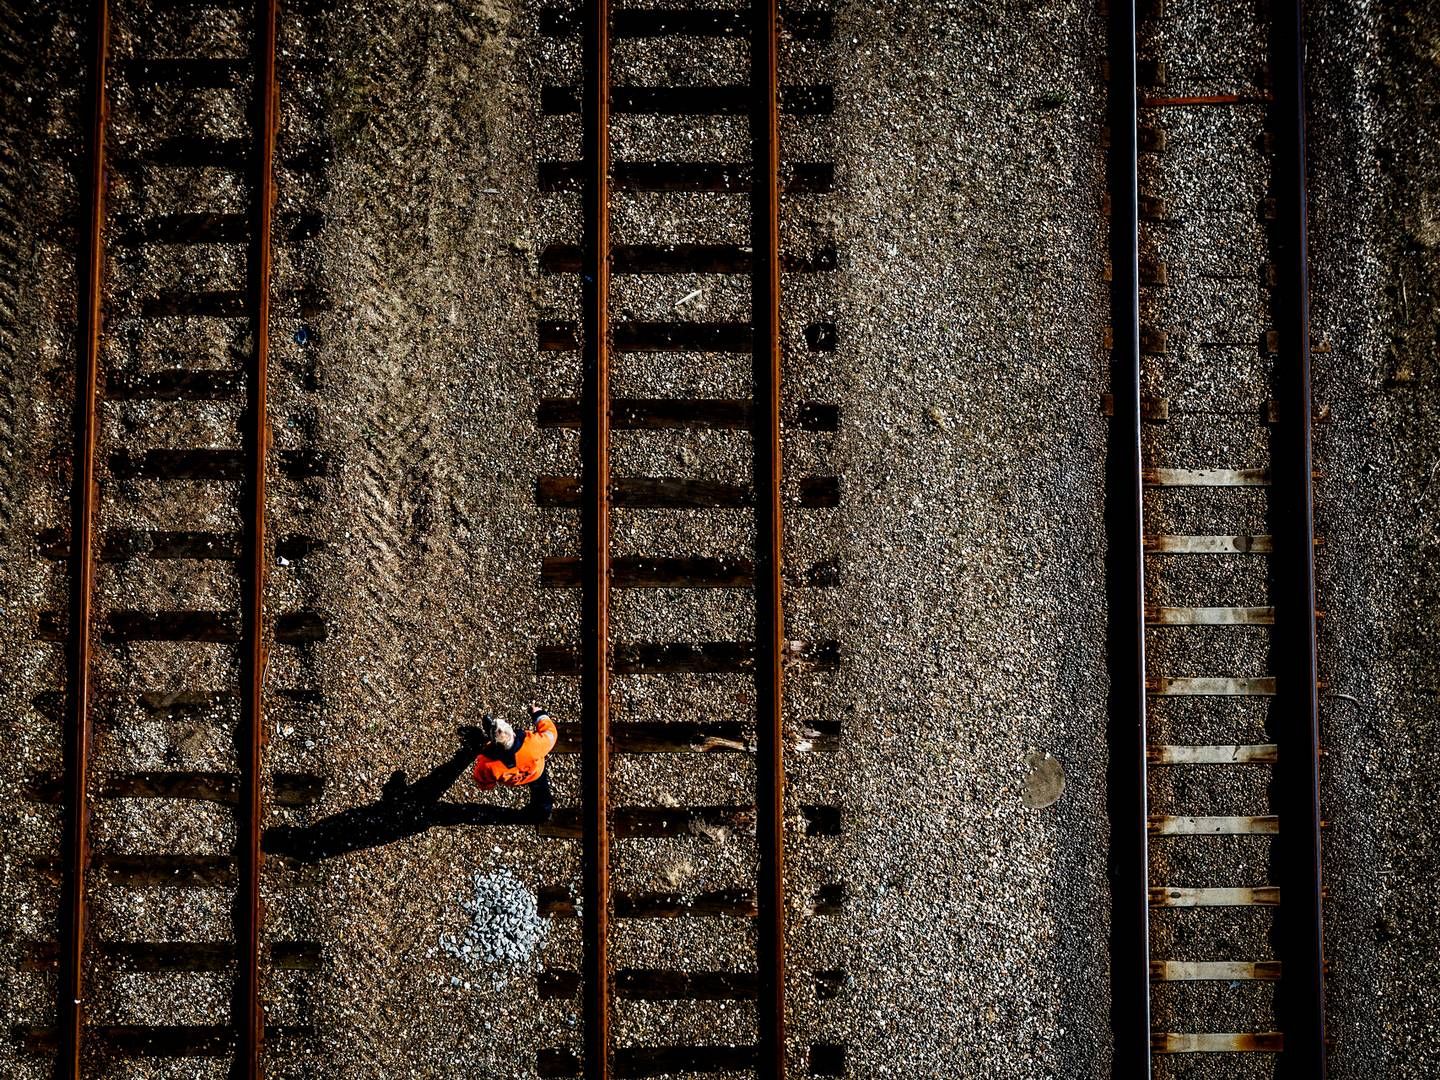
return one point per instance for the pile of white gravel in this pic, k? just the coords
(505, 932)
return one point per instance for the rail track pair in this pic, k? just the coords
(1199, 940)
(212, 340)
(742, 188)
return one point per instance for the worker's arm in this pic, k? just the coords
(547, 732)
(484, 779)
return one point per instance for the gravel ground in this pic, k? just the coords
(37, 329)
(427, 372)
(971, 310)
(1375, 75)
(970, 306)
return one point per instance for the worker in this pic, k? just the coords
(518, 760)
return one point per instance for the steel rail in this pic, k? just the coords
(1205, 99)
(250, 1014)
(595, 539)
(70, 1009)
(1301, 932)
(1130, 851)
(769, 535)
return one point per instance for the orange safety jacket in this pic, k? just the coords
(529, 758)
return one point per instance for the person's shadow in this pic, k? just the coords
(402, 810)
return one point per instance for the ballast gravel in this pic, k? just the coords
(505, 933)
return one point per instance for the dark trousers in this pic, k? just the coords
(542, 800)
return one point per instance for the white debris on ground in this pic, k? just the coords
(505, 933)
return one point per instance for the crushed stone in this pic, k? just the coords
(506, 931)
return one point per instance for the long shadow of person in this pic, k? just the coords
(402, 810)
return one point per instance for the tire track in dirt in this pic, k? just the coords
(399, 406)
(410, 141)
(401, 282)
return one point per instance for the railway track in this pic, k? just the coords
(168, 551)
(739, 682)
(1218, 946)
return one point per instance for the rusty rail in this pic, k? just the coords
(70, 1010)
(1301, 937)
(1129, 787)
(769, 536)
(595, 538)
(250, 1015)
(1204, 99)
